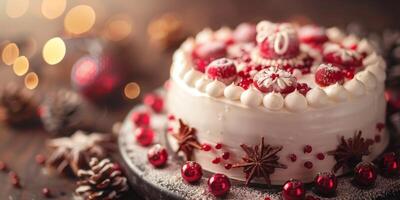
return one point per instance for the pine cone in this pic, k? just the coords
(59, 113)
(74, 153)
(18, 106)
(102, 181)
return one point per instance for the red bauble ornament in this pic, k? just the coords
(364, 174)
(219, 185)
(191, 172)
(389, 165)
(144, 136)
(157, 156)
(155, 102)
(325, 184)
(293, 190)
(141, 118)
(96, 77)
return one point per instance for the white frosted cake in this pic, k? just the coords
(314, 97)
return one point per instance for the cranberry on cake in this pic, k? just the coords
(269, 102)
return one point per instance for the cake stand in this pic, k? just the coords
(167, 183)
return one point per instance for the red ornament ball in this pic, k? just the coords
(157, 156)
(389, 165)
(191, 172)
(96, 77)
(219, 185)
(141, 118)
(155, 102)
(144, 136)
(325, 184)
(364, 174)
(293, 190)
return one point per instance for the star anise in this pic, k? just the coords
(74, 153)
(260, 161)
(350, 152)
(187, 140)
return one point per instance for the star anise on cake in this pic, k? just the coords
(260, 161)
(187, 140)
(73, 153)
(350, 151)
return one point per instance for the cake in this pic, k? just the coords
(269, 102)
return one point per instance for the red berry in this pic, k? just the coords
(171, 117)
(219, 185)
(275, 80)
(3, 166)
(226, 155)
(206, 147)
(308, 164)
(320, 156)
(281, 42)
(46, 192)
(328, 74)
(380, 126)
(157, 156)
(325, 184)
(389, 165)
(245, 32)
(154, 101)
(245, 83)
(293, 190)
(343, 57)
(307, 149)
(349, 72)
(216, 160)
(144, 136)
(203, 54)
(293, 157)
(303, 88)
(222, 69)
(218, 146)
(377, 138)
(314, 35)
(191, 172)
(364, 174)
(141, 118)
(228, 166)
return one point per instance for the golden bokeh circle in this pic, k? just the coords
(31, 80)
(79, 19)
(16, 8)
(54, 51)
(52, 9)
(21, 66)
(118, 28)
(10, 53)
(132, 90)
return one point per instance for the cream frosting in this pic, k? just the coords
(273, 101)
(355, 87)
(379, 72)
(215, 88)
(204, 36)
(317, 97)
(368, 79)
(191, 77)
(202, 83)
(296, 102)
(365, 46)
(335, 34)
(233, 92)
(337, 92)
(251, 97)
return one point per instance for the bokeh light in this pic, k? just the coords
(16, 8)
(31, 80)
(21, 66)
(118, 28)
(10, 53)
(52, 9)
(79, 19)
(132, 90)
(54, 51)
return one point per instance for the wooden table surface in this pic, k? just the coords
(149, 67)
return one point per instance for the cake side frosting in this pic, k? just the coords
(302, 94)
